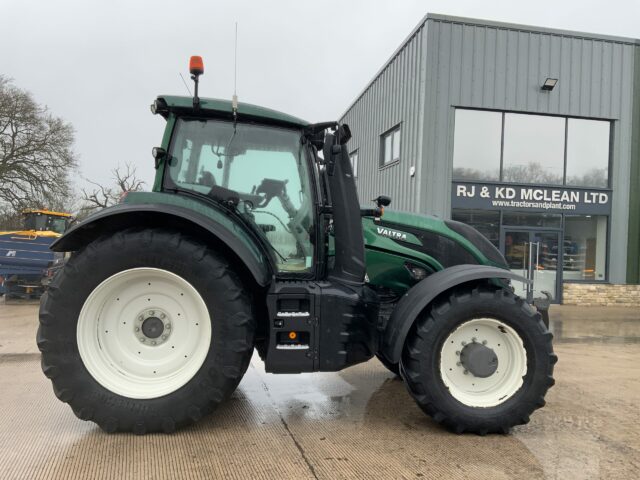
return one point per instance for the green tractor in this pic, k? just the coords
(250, 240)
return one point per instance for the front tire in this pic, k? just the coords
(145, 331)
(480, 360)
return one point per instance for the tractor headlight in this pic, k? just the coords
(417, 273)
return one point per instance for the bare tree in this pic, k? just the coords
(103, 196)
(36, 155)
(531, 172)
(10, 218)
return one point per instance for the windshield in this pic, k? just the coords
(35, 221)
(57, 224)
(43, 222)
(261, 170)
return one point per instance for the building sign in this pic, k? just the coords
(489, 196)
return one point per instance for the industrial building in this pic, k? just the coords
(529, 134)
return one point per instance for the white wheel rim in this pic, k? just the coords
(503, 383)
(112, 349)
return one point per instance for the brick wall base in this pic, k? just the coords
(601, 295)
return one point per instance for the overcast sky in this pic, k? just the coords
(99, 64)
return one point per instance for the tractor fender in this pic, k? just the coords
(423, 293)
(119, 217)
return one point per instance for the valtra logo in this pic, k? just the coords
(393, 234)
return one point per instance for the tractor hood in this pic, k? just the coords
(430, 240)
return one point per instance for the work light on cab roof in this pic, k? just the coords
(196, 66)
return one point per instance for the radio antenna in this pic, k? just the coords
(234, 99)
(185, 83)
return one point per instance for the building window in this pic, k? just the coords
(588, 152)
(533, 149)
(390, 142)
(585, 247)
(353, 158)
(530, 149)
(476, 145)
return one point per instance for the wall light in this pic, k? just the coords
(549, 84)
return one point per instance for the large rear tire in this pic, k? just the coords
(479, 361)
(145, 331)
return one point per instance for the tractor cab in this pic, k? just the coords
(260, 172)
(46, 221)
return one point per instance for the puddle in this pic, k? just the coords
(614, 330)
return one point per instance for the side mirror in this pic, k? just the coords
(344, 134)
(158, 154)
(382, 201)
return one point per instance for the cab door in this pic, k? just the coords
(265, 170)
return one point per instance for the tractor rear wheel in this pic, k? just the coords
(146, 330)
(480, 360)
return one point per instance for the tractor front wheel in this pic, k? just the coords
(146, 330)
(480, 360)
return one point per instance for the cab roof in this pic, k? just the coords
(47, 212)
(216, 107)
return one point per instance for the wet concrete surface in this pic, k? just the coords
(359, 423)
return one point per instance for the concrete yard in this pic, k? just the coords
(359, 423)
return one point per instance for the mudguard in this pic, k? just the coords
(211, 225)
(420, 295)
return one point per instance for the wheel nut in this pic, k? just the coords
(153, 343)
(164, 337)
(168, 326)
(162, 315)
(473, 339)
(463, 343)
(484, 342)
(458, 364)
(151, 312)
(142, 339)
(466, 372)
(140, 318)
(137, 329)
(457, 352)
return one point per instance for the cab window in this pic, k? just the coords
(57, 224)
(262, 170)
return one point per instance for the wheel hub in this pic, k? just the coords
(478, 359)
(152, 327)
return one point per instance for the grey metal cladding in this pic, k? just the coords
(395, 97)
(450, 62)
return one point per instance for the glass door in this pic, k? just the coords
(533, 254)
(545, 268)
(517, 250)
